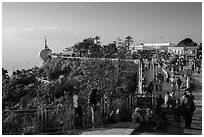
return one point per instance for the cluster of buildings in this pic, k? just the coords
(188, 51)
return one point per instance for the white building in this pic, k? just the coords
(152, 46)
(176, 50)
(161, 46)
(140, 47)
(67, 51)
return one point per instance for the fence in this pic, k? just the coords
(56, 119)
(125, 103)
(62, 118)
(19, 122)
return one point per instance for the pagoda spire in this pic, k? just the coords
(46, 47)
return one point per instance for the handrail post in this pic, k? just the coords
(130, 102)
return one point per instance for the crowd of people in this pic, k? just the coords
(178, 106)
(184, 106)
(170, 103)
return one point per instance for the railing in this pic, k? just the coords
(128, 102)
(56, 119)
(62, 118)
(44, 120)
(20, 122)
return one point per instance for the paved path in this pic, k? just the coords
(197, 92)
(113, 131)
(166, 86)
(121, 128)
(173, 128)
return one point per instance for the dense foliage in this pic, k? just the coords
(187, 42)
(92, 47)
(54, 84)
(105, 75)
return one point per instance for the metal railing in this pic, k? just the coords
(20, 122)
(62, 118)
(127, 102)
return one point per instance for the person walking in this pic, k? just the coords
(78, 110)
(183, 97)
(173, 99)
(150, 87)
(160, 85)
(92, 101)
(149, 64)
(190, 94)
(159, 102)
(143, 80)
(178, 82)
(167, 101)
(198, 69)
(181, 66)
(192, 67)
(198, 65)
(173, 83)
(168, 77)
(188, 82)
(177, 111)
(188, 107)
(95, 108)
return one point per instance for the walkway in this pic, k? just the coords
(127, 128)
(121, 128)
(173, 127)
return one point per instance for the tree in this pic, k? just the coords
(81, 49)
(4, 72)
(122, 49)
(186, 42)
(110, 50)
(128, 42)
(122, 52)
(199, 46)
(88, 48)
(57, 67)
(97, 40)
(95, 50)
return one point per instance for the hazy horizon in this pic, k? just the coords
(24, 25)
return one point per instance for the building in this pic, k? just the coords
(160, 46)
(190, 51)
(199, 51)
(176, 50)
(68, 51)
(140, 47)
(152, 46)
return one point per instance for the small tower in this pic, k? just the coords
(46, 47)
(46, 52)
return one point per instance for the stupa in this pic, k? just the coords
(45, 54)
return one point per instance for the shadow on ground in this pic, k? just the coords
(148, 129)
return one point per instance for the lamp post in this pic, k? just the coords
(140, 78)
(153, 59)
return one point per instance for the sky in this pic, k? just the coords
(25, 25)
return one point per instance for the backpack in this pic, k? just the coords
(189, 105)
